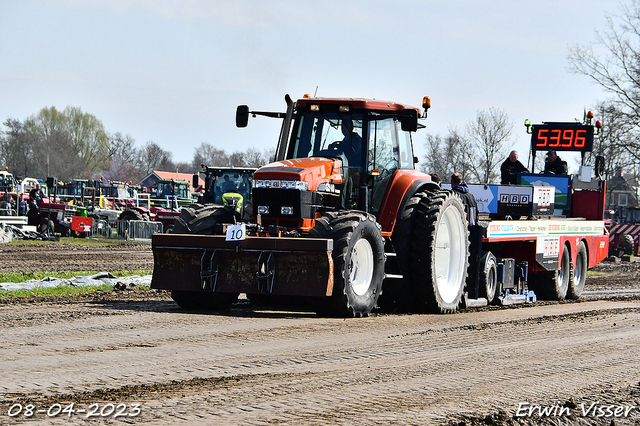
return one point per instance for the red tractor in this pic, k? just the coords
(340, 210)
(342, 219)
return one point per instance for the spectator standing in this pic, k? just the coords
(510, 168)
(461, 189)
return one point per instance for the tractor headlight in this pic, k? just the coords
(285, 184)
(263, 209)
(286, 210)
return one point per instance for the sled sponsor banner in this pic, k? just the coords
(503, 229)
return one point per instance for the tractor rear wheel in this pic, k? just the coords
(46, 223)
(358, 256)
(396, 293)
(627, 244)
(553, 285)
(579, 275)
(130, 215)
(199, 219)
(439, 252)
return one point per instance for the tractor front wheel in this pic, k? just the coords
(358, 255)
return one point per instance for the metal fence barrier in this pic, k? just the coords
(126, 229)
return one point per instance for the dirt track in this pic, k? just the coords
(252, 366)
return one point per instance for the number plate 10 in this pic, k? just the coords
(236, 232)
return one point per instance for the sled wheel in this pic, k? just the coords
(358, 256)
(553, 285)
(488, 277)
(440, 252)
(579, 276)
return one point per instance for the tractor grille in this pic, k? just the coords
(276, 199)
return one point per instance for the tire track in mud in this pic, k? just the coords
(313, 370)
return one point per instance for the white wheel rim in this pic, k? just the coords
(450, 254)
(361, 267)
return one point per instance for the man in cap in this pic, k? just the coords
(554, 164)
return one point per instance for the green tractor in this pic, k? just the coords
(229, 187)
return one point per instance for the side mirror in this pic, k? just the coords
(409, 120)
(195, 180)
(242, 116)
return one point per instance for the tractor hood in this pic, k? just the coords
(313, 170)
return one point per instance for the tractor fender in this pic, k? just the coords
(404, 185)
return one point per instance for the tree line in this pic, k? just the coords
(72, 144)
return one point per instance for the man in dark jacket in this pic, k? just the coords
(554, 164)
(462, 190)
(35, 196)
(510, 168)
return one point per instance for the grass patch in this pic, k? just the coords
(62, 290)
(18, 277)
(596, 273)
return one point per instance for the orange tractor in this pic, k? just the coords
(341, 218)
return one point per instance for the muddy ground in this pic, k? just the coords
(136, 353)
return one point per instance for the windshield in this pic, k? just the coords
(329, 134)
(232, 181)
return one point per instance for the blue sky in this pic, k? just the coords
(174, 71)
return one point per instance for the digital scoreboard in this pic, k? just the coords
(562, 137)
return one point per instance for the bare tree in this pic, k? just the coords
(487, 136)
(153, 157)
(209, 155)
(445, 156)
(616, 69)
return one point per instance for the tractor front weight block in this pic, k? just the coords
(256, 265)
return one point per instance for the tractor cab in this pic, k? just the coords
(366, 141)
(229, 186)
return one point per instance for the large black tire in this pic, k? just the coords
(553, 285)
(579, 275)
(203, 300)
(199, 219)
(46, 223)
(397, 295)
(627, 244)
(488, 277)
(358, 256)
(130, 215)
(439, 252)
